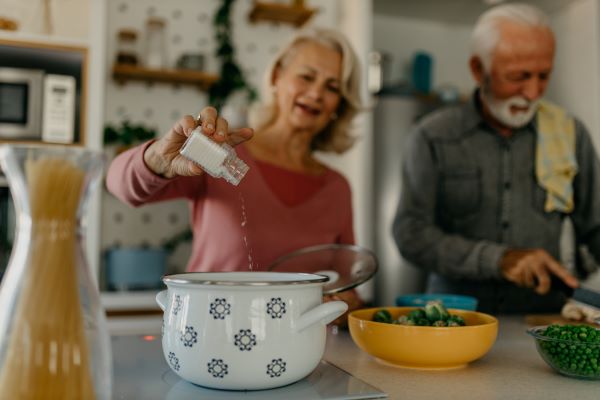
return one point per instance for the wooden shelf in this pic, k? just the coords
(39, 142)
(124, 73)
(296, 15)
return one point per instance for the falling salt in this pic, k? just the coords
(245, 238)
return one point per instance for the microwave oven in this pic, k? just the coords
(21, 96)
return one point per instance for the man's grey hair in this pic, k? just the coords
(486, 32)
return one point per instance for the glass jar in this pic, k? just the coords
(156, 52)
(127, 52)
(54, 342)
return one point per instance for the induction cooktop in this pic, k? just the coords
(140, 372)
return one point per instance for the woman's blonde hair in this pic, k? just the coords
(336, 136)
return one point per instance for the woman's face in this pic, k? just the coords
(308, 87)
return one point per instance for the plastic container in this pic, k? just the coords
(422, 72)
(218, 160)
(135, 268)
(449, 300)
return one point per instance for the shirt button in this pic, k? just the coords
(507, 185)
(505, 225)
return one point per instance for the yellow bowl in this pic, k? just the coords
(423, 347)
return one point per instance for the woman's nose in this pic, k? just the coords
(315, 91)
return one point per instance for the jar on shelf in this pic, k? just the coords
(156, 51)
(127, 52)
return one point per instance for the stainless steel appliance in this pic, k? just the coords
(394, 115)
(21, 94)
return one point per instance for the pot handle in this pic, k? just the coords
(324, 313)
(161, 299)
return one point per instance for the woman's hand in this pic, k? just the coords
(351, 298)
(163, 157)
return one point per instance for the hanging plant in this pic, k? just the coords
(231, 77)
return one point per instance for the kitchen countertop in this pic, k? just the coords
(511, 370)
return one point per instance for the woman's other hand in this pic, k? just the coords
(163, 157)
(351, 298)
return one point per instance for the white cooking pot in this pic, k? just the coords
(245, 330)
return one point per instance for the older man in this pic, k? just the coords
(487, 185)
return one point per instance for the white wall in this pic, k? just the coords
(575, 82)
(448, 44)
(29, 14)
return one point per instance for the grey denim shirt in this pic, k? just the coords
(469, 194)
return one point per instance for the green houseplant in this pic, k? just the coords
(231, 77)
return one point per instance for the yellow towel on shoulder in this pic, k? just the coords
(555, 162)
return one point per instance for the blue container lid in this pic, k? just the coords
(449, 300)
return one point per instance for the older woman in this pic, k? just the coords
(288, 199)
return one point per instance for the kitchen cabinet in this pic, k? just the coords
(59, 109)
(79, 55)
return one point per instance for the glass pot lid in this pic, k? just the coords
(347, 266)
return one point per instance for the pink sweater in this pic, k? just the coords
(272, 229)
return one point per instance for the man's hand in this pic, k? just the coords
(533, 268)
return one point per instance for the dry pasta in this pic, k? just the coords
(48, 354)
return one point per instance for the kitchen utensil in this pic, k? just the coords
(580, 294)
(245, 330)
(574, 358)
(449, 300)
(347, 266)
(53, 336)
(423, 347)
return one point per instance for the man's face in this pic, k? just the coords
(520, 70)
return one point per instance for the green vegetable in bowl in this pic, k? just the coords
(435, 311)
(383, 316)
(571, 349)
(433, 314)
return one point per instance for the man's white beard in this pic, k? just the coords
(501, 109)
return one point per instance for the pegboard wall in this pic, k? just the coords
(188, 29)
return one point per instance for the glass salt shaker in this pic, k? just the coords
(156, 52)
(218, 160)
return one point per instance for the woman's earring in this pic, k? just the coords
(333, 116)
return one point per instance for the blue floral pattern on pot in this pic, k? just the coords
(220, 308)
(174, 361)
(276, 368)
(217, 368)
(177, 304)
(276, 307)
(245, 340)
(189, 337)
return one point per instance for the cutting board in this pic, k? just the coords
(547, 319)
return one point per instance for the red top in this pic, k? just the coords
(284, 210)
(291, 187)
